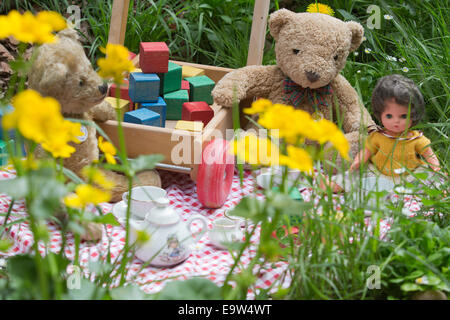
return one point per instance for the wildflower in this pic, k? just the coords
(86, 194)
(259, 106)
(368, 50)
(422, 280)
(401, 59)
(255, 150)
(388, 17)
(356, 53)
(52, 18)
(297, 158)
(108, 149)
(275, 118)
(115, 63)
(364, 38)
(391, 58)
(95, 175)
(320, 8)
(405, 69)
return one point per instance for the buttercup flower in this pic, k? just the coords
(86, 194)
(94, 175)
(52, 18)
(115, 63)
(320, 8)
(108, 149)
(297, 158)
(255, 150)
(259, 106)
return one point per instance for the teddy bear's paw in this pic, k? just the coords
(148, 178)
(93, 231)
(222, 97)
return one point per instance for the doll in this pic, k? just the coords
(394, 150)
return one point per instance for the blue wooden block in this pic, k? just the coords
(159, 107)
(143, 116)
(3, 153)
(143, 87)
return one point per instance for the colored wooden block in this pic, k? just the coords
(3, 153)
(195, 126)
(142, 116)
(144, 87)
(189, 71)
(159, 107)
(131, 55)
(153, 57)
(201, 88)
(137, 70)
(185, 86)
(170, 81)
(197, 111)
(124, 105)
(123, 91)
(174, 101)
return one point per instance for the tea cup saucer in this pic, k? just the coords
(119, 210)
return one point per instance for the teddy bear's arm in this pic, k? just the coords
(354, 114)
(103, 112)
(250, 81)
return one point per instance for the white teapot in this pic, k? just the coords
(170, 238)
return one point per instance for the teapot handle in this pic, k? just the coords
(204, 225)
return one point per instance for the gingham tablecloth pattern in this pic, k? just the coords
(205, 260)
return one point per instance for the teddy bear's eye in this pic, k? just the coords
(81, 83)
(336, 57)
(295, 51)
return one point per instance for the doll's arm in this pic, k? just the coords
(431, 158)
(362, 156)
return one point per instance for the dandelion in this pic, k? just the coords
(115, 63)
(405, 69)
(86, 194)
(368, 50)
(108, 149)
(388, 17)
(320, 8)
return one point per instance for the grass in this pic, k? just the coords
(327, 264)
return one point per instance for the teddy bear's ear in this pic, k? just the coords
(357, 34)
(278, 19)
(69, 33)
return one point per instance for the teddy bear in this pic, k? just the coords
(62, 70)
(311, 49)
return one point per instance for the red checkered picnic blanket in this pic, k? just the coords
(205, 260)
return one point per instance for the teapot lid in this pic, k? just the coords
(162, 213)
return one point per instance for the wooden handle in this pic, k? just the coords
(118, 24)
(258, 33)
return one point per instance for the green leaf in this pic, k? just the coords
(129, 292)
(145, 162)
(410, 287)
(107, 219)
(249, 208)
(192, 289)
(16, 188)
(87, 291)
(5, 244)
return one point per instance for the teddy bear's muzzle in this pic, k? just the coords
(312, 76)
(103, 88)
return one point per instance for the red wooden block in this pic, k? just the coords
(131, 55)
(197, 111)
(185, 85)
(123, 91)
(154, 57)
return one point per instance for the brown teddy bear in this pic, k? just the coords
(311, 49)
(62, 70)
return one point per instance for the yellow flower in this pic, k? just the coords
(108, 149)
(255, 150)
(320, 8)
(276, 118)
(5, 27)
(95, 175)
(115, 63)
(297, 158)
(27, 28)
(86, 194)
(259, 106)
(52, 18)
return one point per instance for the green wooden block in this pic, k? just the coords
(200, 89)
(174, 101)
(3, 153)
(171, 81)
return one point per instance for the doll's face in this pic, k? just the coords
(395, 117)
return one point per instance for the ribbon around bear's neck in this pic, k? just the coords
(295, 94)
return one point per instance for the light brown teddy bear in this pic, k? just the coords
(311, 49)
(62, 70)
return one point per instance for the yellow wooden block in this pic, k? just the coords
(196, 126)
(137, 70)
(123, 104)
(188, 71)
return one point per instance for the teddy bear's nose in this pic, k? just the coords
(103, 88)
(312, 76)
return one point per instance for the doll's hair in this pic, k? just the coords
(404, 91)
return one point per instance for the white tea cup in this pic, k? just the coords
(225, 230)
(143, 199)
